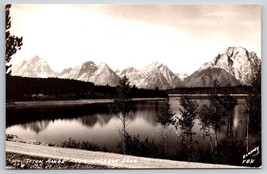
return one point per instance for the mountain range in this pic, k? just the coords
(235, 66)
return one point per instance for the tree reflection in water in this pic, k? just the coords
(96, 124)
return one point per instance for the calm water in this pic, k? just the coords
(94, 123)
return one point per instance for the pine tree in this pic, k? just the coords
(13, 43)
(189, 111)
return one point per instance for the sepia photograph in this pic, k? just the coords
(133, 86)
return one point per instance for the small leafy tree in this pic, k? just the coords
(212, 115)
(13, 43)
(121, 107)
(189, 111)
(164, 118)
(136, 147)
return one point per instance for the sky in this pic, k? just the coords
(181, 36)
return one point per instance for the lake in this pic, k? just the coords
(94, 123)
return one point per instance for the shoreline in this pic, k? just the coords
(28, 154)
(80, 102)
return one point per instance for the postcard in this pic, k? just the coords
(101, 86)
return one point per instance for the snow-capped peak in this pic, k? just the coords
(104, 75)
(33, 67)
(154, 75)
(236, 61)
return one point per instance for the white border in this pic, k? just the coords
(199, 171)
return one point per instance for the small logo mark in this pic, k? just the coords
(251, 154)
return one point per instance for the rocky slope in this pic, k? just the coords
(104, 75)
(155, 75)
(205, 78)
(235, 66)
(90, 72)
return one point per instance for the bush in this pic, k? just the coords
(136, 147)
(85, 145)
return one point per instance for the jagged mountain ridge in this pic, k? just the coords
(235, 66)
(151, 76)
(90, 72)
(104, 75)
(154, 75)
(34, 67)
(235, 62)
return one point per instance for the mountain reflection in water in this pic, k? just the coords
(95, 123)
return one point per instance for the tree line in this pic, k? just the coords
(26, 88)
